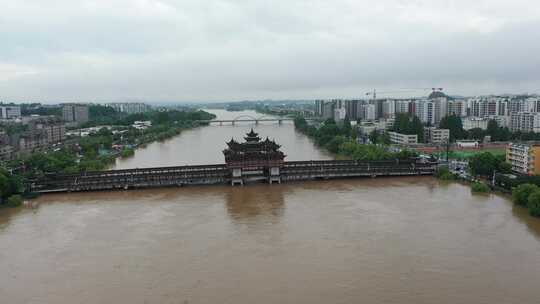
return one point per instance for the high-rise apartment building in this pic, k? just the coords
(75, 113)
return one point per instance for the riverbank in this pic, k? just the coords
(99, 150)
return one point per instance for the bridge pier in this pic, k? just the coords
(237, 181)
(280, 122)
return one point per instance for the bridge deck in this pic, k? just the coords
(220, 174)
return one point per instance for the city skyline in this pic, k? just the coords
(193, 51)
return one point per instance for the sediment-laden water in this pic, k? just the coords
(383, 240)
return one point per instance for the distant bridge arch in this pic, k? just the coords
(244, 117)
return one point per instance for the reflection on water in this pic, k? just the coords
(245, 204)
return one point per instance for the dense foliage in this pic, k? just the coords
(444, 174)
(102, 115)
(10, 187)
(341, 140)
(455, 125)
(409, 124)
(478, 187)
(485, 164)
(39, 109)
(521, 193)
(528, 195)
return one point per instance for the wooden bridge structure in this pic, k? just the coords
(221, 174)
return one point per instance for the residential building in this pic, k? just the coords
(30, 141)
(351, 107)
(340, 114)
(436, 136)
(525, 122)
(524, 158)
(54, 128)
(75, 114)
(319, 107)
(130, 107)
(403, 139)
(6, 149)
(457, 108)
(10, 112)
(440, 109)
(367, 112)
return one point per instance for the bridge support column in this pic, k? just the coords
(237, 177)
(256, 122)
(280, 122)
(274, 176)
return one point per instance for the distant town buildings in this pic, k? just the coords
(524, 158)
(518, 113)
(75, 114)
(130, 107)
(40, 134)
(142, 125)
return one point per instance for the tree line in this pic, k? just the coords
(341, 140)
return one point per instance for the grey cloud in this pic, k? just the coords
(218, 50)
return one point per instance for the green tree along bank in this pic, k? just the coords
(341, 140)
(10, 188)
(527, 195)
(486, 164)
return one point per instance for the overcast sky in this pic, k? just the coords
(216, 50)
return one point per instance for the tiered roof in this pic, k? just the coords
(253, 149)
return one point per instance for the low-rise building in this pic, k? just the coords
(142, 125)
(470, 123)
(403, 139)
(524, 158)
(436, 136)
(467, 144)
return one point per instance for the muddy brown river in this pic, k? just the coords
(383, 240)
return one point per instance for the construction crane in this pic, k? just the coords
(374, 93)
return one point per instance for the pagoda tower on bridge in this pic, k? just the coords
(254, 159)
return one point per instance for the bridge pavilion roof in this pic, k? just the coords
(253, 149)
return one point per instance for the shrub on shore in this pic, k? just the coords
(14, 201)
(533, 203)
(521, 193)
(479, 188)
(445, 174)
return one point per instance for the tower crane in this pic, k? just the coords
(374, 93)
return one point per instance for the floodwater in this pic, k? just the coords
(383, 240)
